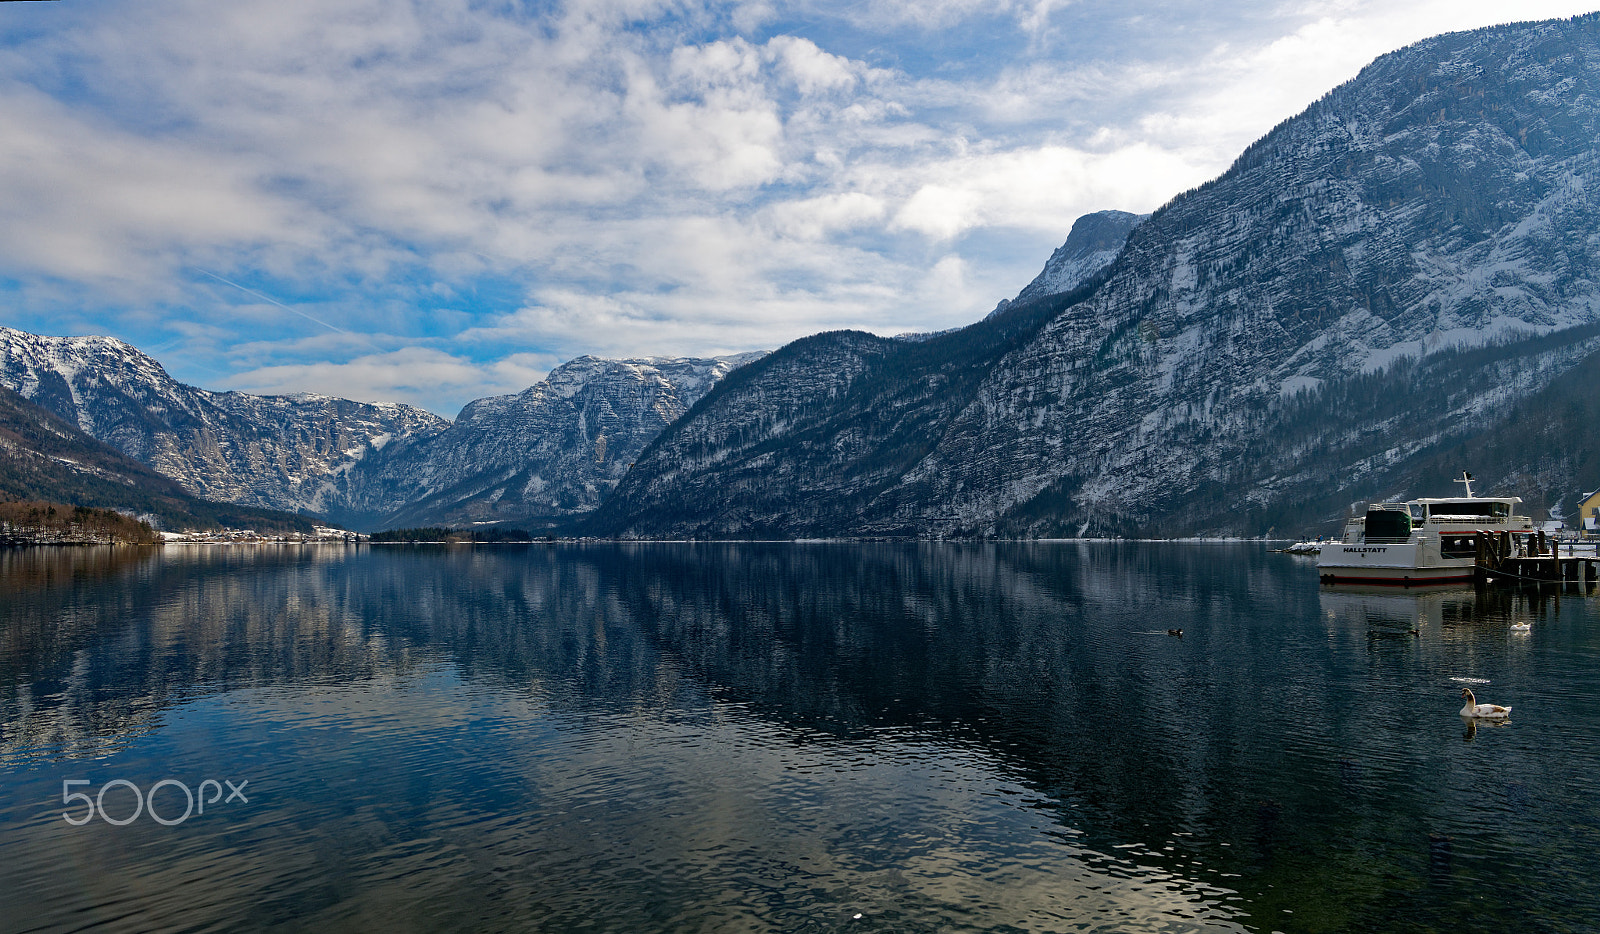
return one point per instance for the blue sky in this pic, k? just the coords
(431, 202)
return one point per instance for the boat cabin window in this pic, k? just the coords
(1457, 546)
(1388, 523)
(1490, 508)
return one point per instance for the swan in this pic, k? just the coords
(1482, 711)
(1521, 627)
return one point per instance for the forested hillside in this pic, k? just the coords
(43, 458)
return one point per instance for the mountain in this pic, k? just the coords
(43, 457)
(1540, 445)
(1095, 240)
(552, 450)
(816, 438)
(275, 452)
(1381, 278)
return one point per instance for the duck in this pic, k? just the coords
(1479, 711)
(1174, 632)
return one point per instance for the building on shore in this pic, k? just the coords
(1589, 514)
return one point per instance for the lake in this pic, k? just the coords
(784, 737)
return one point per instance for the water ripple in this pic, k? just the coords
(767, 738)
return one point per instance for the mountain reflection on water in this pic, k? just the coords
(781, 737)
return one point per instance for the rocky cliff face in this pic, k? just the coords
(817, 438)
(270, 451)
(1094, 242)
(1445, 198)
(1380, 275)
(45, 458)
(552, 450)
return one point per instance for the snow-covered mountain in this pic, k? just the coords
(1379, 278)
(551, 450)
(45, 458)
(270, 451)
(1095, 240)
(1405, 275)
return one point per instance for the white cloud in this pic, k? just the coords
(616, 176)
(815, 218)
(1029, 15)
(1035, 188)
(424, 376)
(81, 200)
(812, 70)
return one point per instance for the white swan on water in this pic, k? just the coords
(1479, 711)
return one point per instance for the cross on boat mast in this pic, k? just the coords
(1466, 481)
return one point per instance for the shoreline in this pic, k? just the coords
(355, 538)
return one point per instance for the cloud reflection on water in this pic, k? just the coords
(693, 736)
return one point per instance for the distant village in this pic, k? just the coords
(231, 536)
(25, 522)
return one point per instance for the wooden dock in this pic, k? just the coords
(1535, 559)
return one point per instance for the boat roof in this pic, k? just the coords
(1446, 501)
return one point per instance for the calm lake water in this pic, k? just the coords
(799, 737)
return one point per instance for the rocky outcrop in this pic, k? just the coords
(552, 450)
(270, 451)
(44, 458)
(1095, 240)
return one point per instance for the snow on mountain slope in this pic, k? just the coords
(1095, 240)
(554, 449)
(1442, 199)
(271, 451)
(1424, 238)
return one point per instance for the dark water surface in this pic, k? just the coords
(785, 738)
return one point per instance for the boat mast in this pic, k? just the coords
(1466, 481)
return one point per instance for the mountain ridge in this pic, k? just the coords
(1384, 276)
(1094, 242)
(537, 456)
(267, 451)
(1445, 198)
(531, 457)
(45, 458)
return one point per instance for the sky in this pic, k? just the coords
(432, 201)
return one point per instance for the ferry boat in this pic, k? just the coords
(1422, 541)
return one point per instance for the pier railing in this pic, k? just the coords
(1533, 556)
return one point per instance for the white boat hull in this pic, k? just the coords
(1397, 564)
